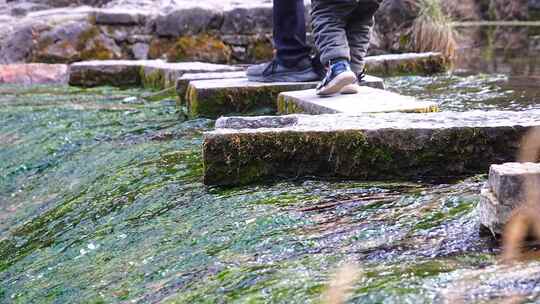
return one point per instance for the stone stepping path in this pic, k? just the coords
(390, 146)
(217, 97)
(156, 74)
(182, 83)
(504, 193)
(368, 100)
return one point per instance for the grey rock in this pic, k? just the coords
(507, 181)
(251, 20)
(140, 51)
(256, 122)
(18, 46)
(188, 21)
(120, 17)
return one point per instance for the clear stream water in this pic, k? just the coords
(101, 201)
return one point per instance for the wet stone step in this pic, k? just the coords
(368, 100)
(407, 64)
(156, 74)
(505, 192)
(213, 98)
(389, 146)
(182, 83)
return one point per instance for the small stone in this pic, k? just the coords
(507, 181)
(140, 51)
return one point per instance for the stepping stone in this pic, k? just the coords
(214, 98)
(389, 146)
(33, 73)
(407, 64)
(151, 73)
(505, 192)
(160, 74)
(369, 100)
(182, 83)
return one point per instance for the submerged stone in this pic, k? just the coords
(368, 100)
(505, 192)
(225, 94)
(391, 146)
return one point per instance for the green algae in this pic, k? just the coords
(102, 201)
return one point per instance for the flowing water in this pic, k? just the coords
(101, 201)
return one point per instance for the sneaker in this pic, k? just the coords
(354, 88)
(338, 76)
(273, 71)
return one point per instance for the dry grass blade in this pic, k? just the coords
(342, 283)
(432, 30)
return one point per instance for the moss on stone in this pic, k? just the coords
(202, 47)
(261, 50)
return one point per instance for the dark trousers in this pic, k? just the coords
(342, 29)
(290, 32)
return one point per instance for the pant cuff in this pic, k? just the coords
(335, 54)
(357, 68)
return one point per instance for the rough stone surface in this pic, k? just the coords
(36, 73)
(230, 31)
(213, 98)
(507, 181)
(227, 93)
(159, 74)
(150, 73)
(368, 100)
(183, 82)
(505, 192)
(407, 64)
(371, 146)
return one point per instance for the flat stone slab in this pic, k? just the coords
(368, 100)
(33, 73)
(150, 73)
(182, 82)
(407, 64)
(213, 98)
(505, 192)
(389, 146)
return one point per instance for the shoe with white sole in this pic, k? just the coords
(339, 75)
(354, 88)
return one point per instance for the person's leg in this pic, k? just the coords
(290, 32)
(329, 20)
(359, 25)
(292, 62)
(329, 29)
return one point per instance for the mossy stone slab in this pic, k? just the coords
(160, 75)
(182, 82)
(387, 146)
(215, 97)
(156, 74)
(368, 100)
(407, 64)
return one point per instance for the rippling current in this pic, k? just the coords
(101, 201)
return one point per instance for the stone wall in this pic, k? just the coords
(224, 31)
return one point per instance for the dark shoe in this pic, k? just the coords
(354, 88)
(338, 76)
(273, 71)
